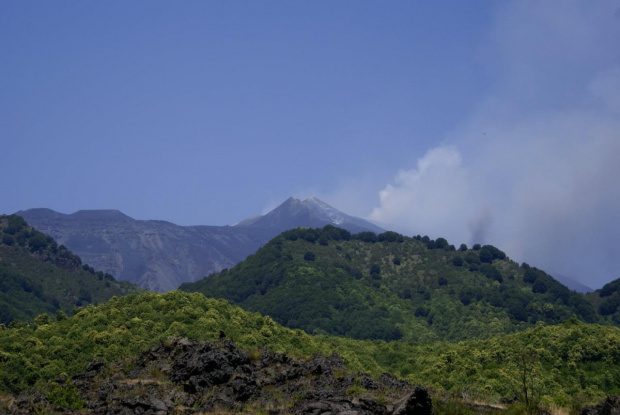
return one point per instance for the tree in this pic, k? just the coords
(15, 224)
(540, 286)
(472, 258)
(609, 306)
(530, 275)
(463, 248)
(476, 247)
(8, 240)
(37, 242)
(61, 315)
(528, 363)
(309, 256)
(390, 236)
(486, 256)
(367, 237)
(457, 261)
(441, 243)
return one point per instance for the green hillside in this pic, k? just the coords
(38, 276)
(391, 287)
(572, 363)
(607, 301)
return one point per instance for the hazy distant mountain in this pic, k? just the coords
(310, 213)
(572, 284)
(160, 255)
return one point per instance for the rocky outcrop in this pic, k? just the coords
(610, 406)
(181, 376)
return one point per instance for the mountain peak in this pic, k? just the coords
(312, 213)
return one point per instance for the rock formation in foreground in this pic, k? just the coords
(182, 376)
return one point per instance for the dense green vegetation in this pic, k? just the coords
(38, 276)
(607, 301)
(572, 363)
(391, 287)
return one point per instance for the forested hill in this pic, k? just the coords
(607, 301)
(572, 364)
(391, 287)
(38, 276)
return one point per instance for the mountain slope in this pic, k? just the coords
(156, 255)
(38, 276)
(607, 301)
(391, 287)
(160, 255)
(309, 213)
(572, 284)
(571, 363)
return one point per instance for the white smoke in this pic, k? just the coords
(535, 171)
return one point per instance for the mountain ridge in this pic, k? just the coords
(392, 287)
(160, 255)
(38, 276)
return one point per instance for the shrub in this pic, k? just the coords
(530, 275)
(472, 258)
(540, 286)
(309, 256)
(390, 236)
(441, 243)
(486, 255)
(367, 237)
(609, 307)
(38, 242)
(8, 240)
(491, 273)
(15, 224)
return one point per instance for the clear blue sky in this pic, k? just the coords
(472, 120)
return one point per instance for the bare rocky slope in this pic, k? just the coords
(160, 255)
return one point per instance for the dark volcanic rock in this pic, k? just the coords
(181, 376)
(610, 406)
(417, 403)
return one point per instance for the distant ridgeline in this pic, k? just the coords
(392, 287)
(38, 276)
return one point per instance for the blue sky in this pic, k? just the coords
(478, 121)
